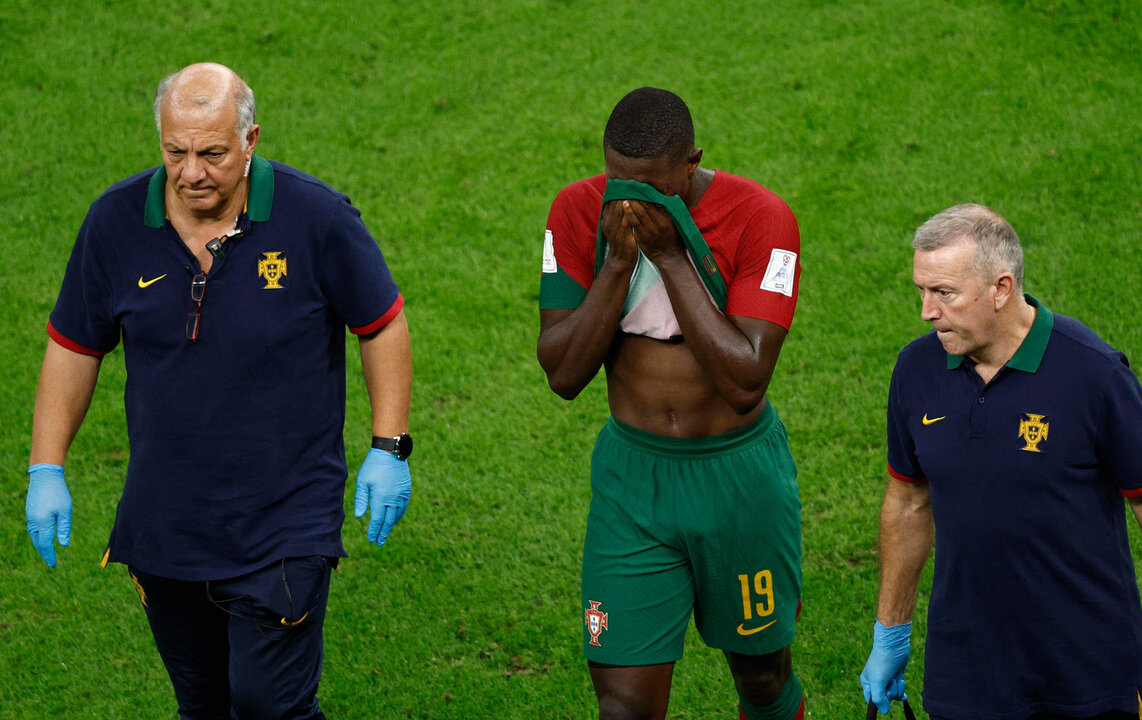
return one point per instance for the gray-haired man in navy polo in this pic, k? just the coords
(1013, 436)
(230, 280)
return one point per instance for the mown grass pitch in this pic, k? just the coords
(452, 125)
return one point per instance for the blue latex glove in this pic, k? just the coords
(48, 509)
(384, 487)
(883, 676)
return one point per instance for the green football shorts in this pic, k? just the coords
(709, 525)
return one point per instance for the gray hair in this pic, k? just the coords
(243, 102)
(997, 248)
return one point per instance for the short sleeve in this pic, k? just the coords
(1120, 437)
(569, 249)
(768, 275)
(902, 461)
(354, 275)
(83, 319)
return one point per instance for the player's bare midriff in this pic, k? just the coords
(658, 386)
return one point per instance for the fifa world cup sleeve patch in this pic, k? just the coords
(780, 273)
(557, 289)
(549, 264)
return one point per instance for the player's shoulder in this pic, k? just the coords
(749, 193)
(737, 201)
(730, 182)
(575, 210)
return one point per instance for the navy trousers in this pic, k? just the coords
(244, 648)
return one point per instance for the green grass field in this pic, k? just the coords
(452, 125)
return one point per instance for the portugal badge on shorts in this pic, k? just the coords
(1034, 431)
(273, 269)
(596, 621)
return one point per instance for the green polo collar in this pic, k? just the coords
(1030, 352)
(258, 204)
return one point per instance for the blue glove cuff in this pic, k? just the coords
(891, 636)
(45, 466)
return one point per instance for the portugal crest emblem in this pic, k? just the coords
(596, 621)
(273, 269)
(1034, 431)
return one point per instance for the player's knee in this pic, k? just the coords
(764, 687)
(618, 705)
(761, 683)
(786, 703)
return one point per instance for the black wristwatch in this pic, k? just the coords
(401, 445)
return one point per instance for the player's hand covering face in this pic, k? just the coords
(653, 228)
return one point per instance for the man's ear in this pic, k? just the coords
(693, 160)
(252, 138)
(1004, 286)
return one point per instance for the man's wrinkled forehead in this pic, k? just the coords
(199, 118)
(948, 264)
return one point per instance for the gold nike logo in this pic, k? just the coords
(743, 631)
(926, 421)
(147, 283)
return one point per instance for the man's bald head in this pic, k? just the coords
(206, 87)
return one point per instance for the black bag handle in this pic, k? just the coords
(908, 714)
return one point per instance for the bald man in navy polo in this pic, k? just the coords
(230, 280)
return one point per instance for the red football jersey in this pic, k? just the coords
(750, 230)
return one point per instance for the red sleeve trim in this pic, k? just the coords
(383, 320)
(68, 344)
(1133, 493)
(902, 478)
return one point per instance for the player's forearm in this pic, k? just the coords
(67, 382)
(386, 361)
(906, 533)
(573, 345)
(740, 365)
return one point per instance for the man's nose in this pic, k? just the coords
(929, 308)
(194, 169)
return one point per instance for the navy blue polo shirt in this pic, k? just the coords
(237, 457)
(1034, 604)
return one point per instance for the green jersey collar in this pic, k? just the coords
(258, 203)
(155, 211)
(1030, 352)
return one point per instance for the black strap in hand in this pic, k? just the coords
(908, 714)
